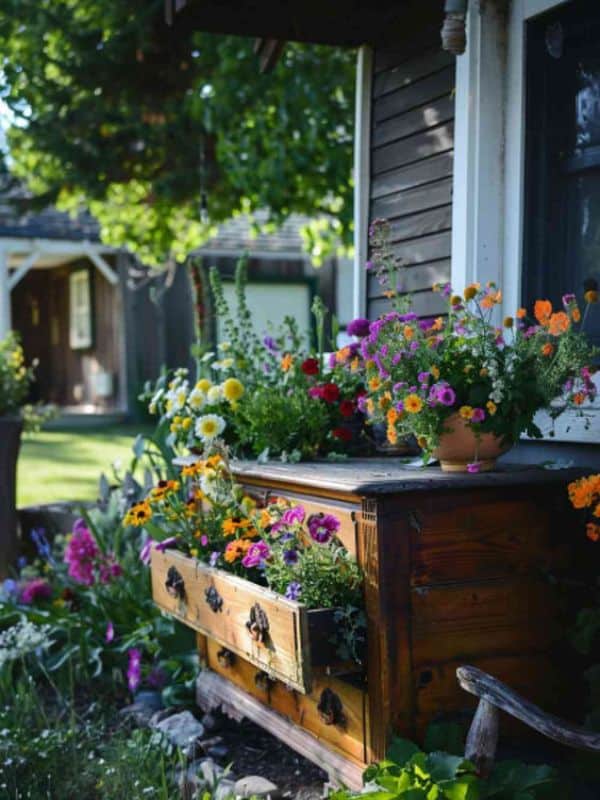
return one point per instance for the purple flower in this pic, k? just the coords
(293, 591)
(397, 388)
(146, 551)
(362, 404)
(322, 527)
(257, 554)
(214, 557)
(134, 669)
(204, 540)
(447, 290)
(568, 299)
(81, 554)
(157, 678)
(369, 265)
(290, 557)
(414, 346)
(474, 467)
(10, 588)
(423, 377)
(400, 406)
(36, 589)
(477, 415)
(270, 344)
(358, 327)
(165, 544)
(410, 317)
(42, 545)
(446, 395)
(332, 360)
(397, 357)
(110, 633)
(294, 516)
(425, 324)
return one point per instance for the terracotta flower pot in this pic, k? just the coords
(460, 447)
(10, 440)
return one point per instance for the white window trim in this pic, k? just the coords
(77, 340)
(488, 183)
(362, 175)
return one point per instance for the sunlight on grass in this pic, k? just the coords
(66, 464)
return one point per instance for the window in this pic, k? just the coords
(80, 310)
(562, 165)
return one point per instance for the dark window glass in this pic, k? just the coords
(562, 169)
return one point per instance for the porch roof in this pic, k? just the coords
(348, 23)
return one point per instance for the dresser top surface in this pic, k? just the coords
(373, 476)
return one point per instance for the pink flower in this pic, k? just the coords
(293, 516)
(146, 551)
(477, 415)
(134, 669)
(81, 554)
(358, 327)
(110, 633)
(257, 554)
(165, 544)
(34, 590)
(322, 527)
(204, 540)
(474, 467)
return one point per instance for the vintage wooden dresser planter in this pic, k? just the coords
(456, 571)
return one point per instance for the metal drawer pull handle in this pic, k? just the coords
(213, 599)
(330, 708)
(263, 681)
(226, 658)
(258, 624)
(174, 583)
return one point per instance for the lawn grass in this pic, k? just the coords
(65, 464)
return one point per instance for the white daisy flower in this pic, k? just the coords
(209, 426)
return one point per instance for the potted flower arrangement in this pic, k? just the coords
(268, 395)
(15, 379)
(468, 389)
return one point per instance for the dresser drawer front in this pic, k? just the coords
(334, 711)
(221, 606)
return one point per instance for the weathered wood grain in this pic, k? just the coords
(413, 148)
(410, 71)
(408, 177)
(496, 693)
(417, 119)
(213, 691)
(348, 738)
(413, 200)
(482, 739)
(417, 278)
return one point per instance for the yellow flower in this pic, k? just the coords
(204, 385)
(193, 469)
(286, 362)
(455, 300)
(422, 442)
(413, 403)
(392, 434)
(374, 383)
(465, 412)
(491, 407)
(194, 552)
(470, 292)
(508, 322)
(138, 514)
(392, 416)
(232, 389)
(435, 372)
(186, 424)
(355, 364)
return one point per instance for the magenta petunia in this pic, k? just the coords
(477, 415)
(358, 327)
(257, 554)
(134, 669)
(474, 467)
(110, 633)
(322, 527)
(294, 516)
(34, 590)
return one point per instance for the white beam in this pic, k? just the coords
(108, 272)
(5, 321)
(23, 269)
(362, 168)
(16, 244)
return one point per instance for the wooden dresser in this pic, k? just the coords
(456, 572)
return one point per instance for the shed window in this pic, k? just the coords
(80, 310)
(562, 178)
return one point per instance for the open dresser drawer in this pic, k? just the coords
(279, 636)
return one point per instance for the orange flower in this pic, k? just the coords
(392, 434)
(435, 372)
(236, 549)
(265, 518)
(192, 469)
(471, 291)
(413, 403)
(542, 311)
(409, 332)
(585, 491)
(491, 299)
(389, 294)
(547, 349)
(343, 354)
(385, 400)
(596, 511)
(392, 416)
(591, 296)
(592, 531)
(508, 322)
(374, 383)
(579, 398)
(438, 324)
(521, 313)
(576, 314)
(559, 323)
(286, 362)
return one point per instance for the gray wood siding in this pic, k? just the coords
(412, 141)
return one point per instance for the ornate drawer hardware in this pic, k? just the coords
(174, 584)
(258, 624)
(264, 681)
(213, 599)
(330, 708)
(226, 658)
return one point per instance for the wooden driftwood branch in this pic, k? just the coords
(482, 739)
(492, 692)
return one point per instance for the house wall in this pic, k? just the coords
(412, 141)
(40, 312)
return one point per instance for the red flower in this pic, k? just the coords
(342, 433)
(310, 366)
(330, 393)
(346, 408)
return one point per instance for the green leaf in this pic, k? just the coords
(401, 751)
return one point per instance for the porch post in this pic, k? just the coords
(362, 143)
(478, 183)
(5, 320)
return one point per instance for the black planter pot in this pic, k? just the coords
(10, 441)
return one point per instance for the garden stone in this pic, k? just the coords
(150, 699)
(218, 751)
(211, 772)
(224, 790)
(158, 716)
(138, 712)
(255, 786)
(209, 721)
(182, 730)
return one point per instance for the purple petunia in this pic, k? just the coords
(322, 527)
(293, 516)
(446, 395)
(270, 344)
(110, 633)
(34, 590)
(477, 415)
(358, 327)
(134, 669)
(290, 557)
(293, 590)
(474, 467)
(257, 554)
(165, 544)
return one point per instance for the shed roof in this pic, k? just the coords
(237, 235)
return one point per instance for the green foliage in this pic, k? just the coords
(15, 377)
(411, 774)
(115, 111)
